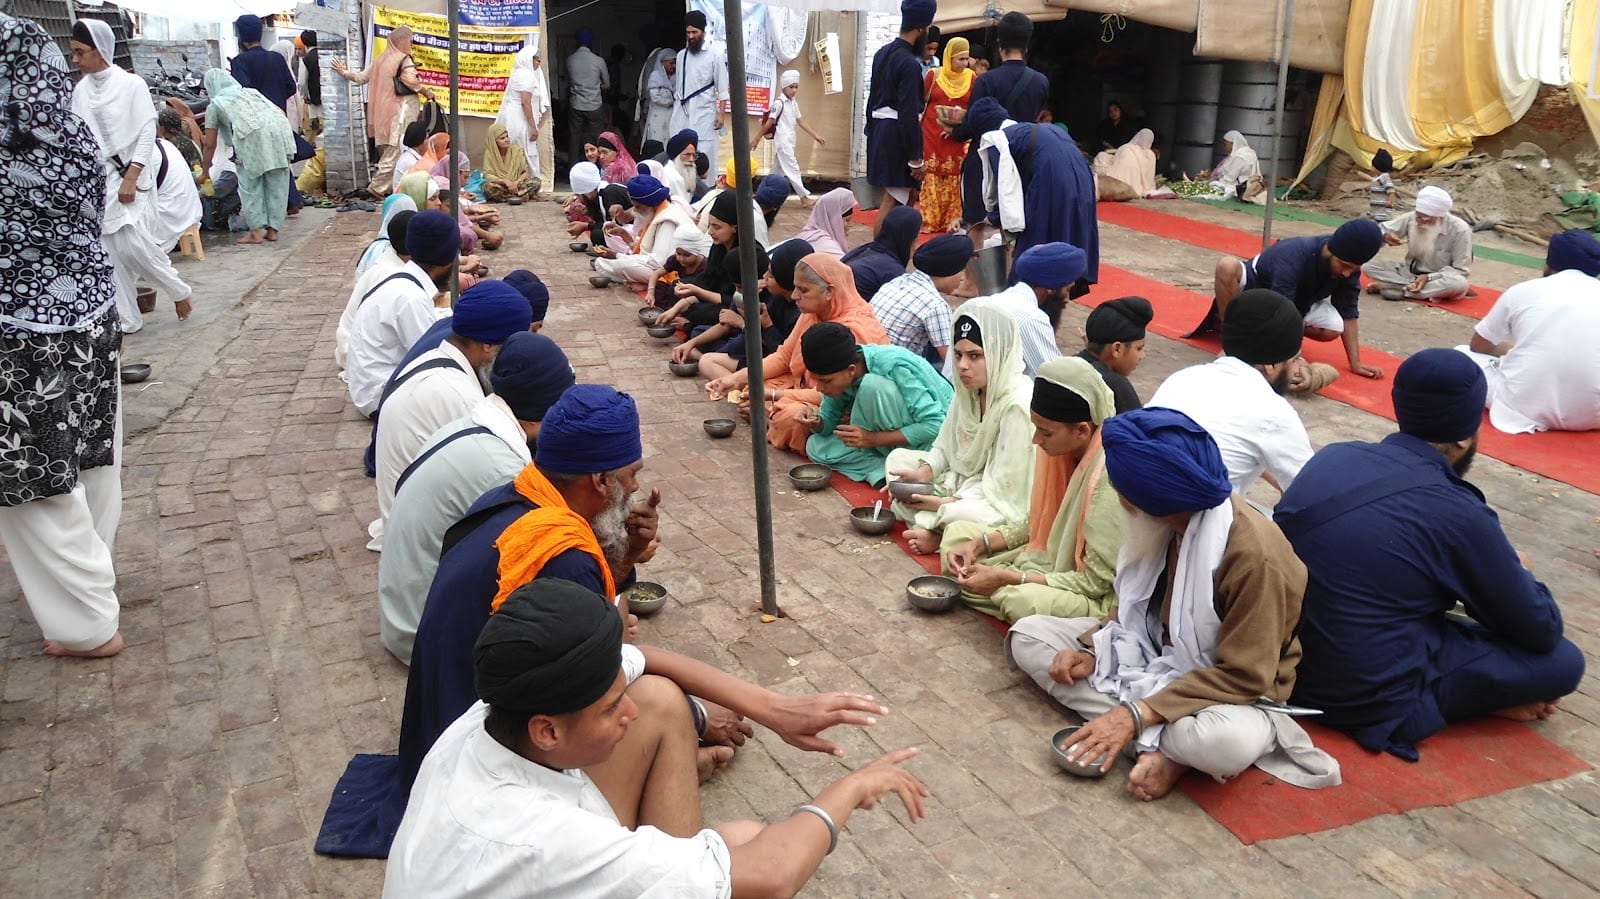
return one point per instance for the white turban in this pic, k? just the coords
(691, 240)
(789, 76)
(584, 177)
(1434, 202)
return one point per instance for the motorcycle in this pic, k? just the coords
(188, 86)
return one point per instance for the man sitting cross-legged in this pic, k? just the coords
(1208, 601)
(1393, 538)
(509, 802)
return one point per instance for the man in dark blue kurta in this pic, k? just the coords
(1321, 276)
(258, 67)
(1021, 89)
(1393, 538)
(894, 110)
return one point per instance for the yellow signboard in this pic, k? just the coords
(483, 61)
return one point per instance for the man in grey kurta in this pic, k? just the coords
(460, 463)
(1438, 251)
(699, 87)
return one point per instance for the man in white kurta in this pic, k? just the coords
(700, 87)
(1238, 397)
(443, 384)
(657, 218)
(399, 309)
(1540, 344)
(1438, 250)
(383, 262)
(458, 464)
(175, 207)
(116, 105)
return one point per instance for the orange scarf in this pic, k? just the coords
(1053, 479)
(542, 534)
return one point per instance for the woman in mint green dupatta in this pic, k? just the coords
(262, 145)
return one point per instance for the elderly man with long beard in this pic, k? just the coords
(1438, 251)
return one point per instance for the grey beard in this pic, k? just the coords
(611, 529)
(484, 371)
(1423, 240)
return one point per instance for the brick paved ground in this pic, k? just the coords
(198, 762)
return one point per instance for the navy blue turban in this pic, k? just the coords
(248, 28)
(1163, 463)
(1575, 249)
(1356, 241)
(917, 13)
(554, 647)
(647, 191)
(531, 374)
(986, 115)
(1439, 396)
(1050, 265)
(489, 312)
(681, 141)
(592, 428)
(785, 256)
(433, 238)
(943, 256)
(534, 291)
(772, 192)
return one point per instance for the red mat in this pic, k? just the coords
(1467, 761)
(1571, 457)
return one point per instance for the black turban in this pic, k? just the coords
(1118, 321)
(725, 208)
(1057, 403)
(1262, 327)
(396, 231)
(694, 18)
(784, 258)
(1383, 161)
(554, 647)
(827, 347)
(966, 328)
(1015, 31)
(1439, 396)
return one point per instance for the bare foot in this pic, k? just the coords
(922, 541)
(109, 648)
(1532, 711)
(808, 202)
(711, 759)
(252, 237)
(1154, 776)
(272, 234)
(185, 308)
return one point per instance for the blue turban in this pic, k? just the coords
(1163, 463)
(1356, 241)
(592, 428)
(1575, 249)
(785, 256)
(585, 36)
(433, 238)
(519, 276)
(537, 295)
(647, 191)
(917, 13)
(943, 256)
(772, 192)
(1050, 265)
(248, 28)
(489, 312)
(530, 374)
(681, 141)
(1439, 396)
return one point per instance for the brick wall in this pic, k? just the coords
(344, 136)
(146, 53)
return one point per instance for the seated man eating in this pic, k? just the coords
(1393, 538)
(1193, 671)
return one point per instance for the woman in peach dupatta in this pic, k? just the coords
(388, 113)
(825, 291)
(1065, 556)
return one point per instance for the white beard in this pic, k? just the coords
(1424, 239)
(611, 527)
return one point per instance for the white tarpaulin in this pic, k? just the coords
(839, 5)
(192, 11)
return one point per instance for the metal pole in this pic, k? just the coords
(733, 17)
(1277, 129)
(452, 7)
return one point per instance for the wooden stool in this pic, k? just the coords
(189, 243)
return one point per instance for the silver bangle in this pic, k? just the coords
(1138, 717)
(986, 548)
(833, 829)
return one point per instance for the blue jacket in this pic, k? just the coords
(891, 143)
(1291, 268)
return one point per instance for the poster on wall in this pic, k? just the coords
(760, 60)
(828, 60)
(484, 58)
(500, 13)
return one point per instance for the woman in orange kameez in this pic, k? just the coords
(948, 85)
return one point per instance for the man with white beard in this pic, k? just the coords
(700, 86)
(1438, 251)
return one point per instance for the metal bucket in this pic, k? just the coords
(990, 266)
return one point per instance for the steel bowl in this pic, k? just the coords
(933, 593)
(862, 518)
(904, 490)
(135, 372)
(1393, 294)
(719, 427)
(514, 201)
(645, 598)
(648, 315)
(661, 332)
(684, 369)
(810, 476)
(578, 246)
(1061, 742)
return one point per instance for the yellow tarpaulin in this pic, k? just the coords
(1581, 51)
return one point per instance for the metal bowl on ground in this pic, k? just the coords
(810, 476)
(684, 369)
(719, 427)
(904, 490)
(866, 523)
(648, 315)
(135, 372)
(1392, 294)
(514, 201)
(933, 592)
(645, 598)
(1061, 742)
(661, 332)
(578, 246)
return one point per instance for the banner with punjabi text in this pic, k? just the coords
(484, 56)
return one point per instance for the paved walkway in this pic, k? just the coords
(199, 761)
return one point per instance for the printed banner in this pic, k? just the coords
(828, 58)
(484, 58)
(500, 13)
(760, 60)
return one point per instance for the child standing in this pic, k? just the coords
(782, 117)
(1381, 196)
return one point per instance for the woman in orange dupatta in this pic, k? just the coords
(825, 291)
(1074, 529)
(434, 149)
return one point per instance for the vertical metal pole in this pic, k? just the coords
(1277, 130)
(452, 8)
(733, 18)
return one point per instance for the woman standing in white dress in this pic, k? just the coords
(526, 105)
